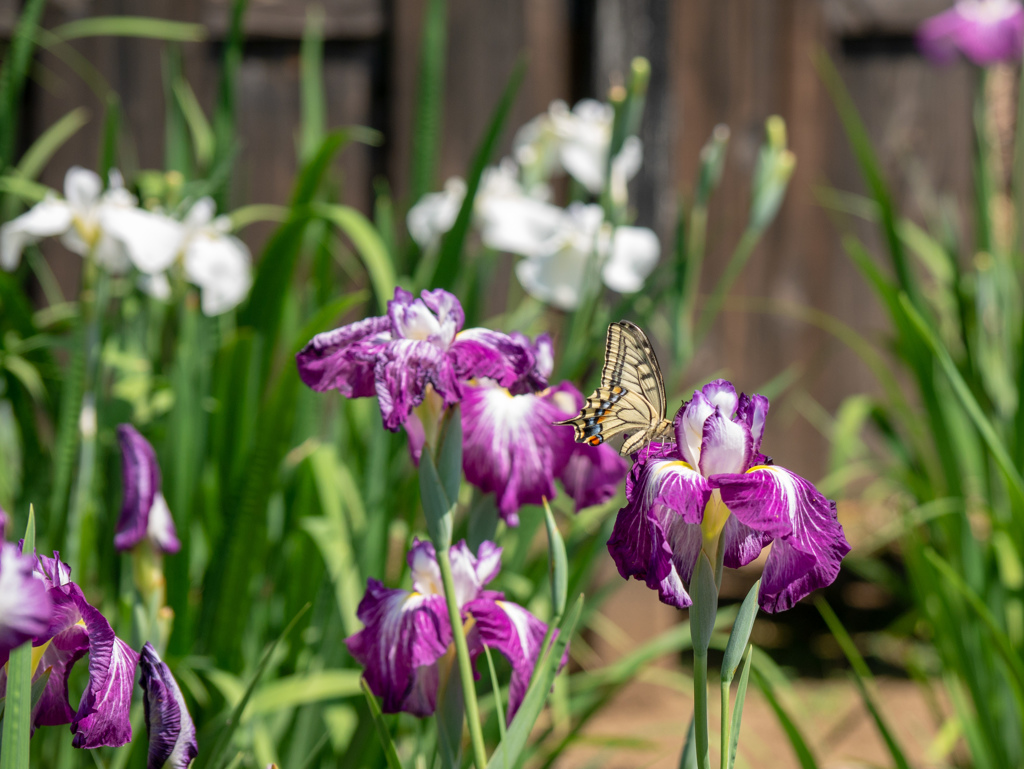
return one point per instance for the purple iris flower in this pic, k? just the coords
(144, 511)
(172, 735)
(76, 628)
(419, 344)
(25, 606)
(512, 446)
(985, 31)
(714, 486)
(408, 632)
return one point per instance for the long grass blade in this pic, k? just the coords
(430, 99)
(796, 739)
(862, 675)
(132, 26)
(53, 138)
(382, 728)
(449, 259)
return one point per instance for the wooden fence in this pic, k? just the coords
(714, 61)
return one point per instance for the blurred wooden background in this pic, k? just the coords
(714, 61)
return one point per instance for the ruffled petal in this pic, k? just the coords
(344, 359)
(435, 213)
(512, 447)
(809, 541)
(404, 632)
(426, 574)
(401, 374)
(82, 188)
(753, 411)
(593, 474)
(513, 631)
(742, 544)
(151, 240)
(25, 606)
(221, 266)
(59, 657)
(471, 572)
(727, 446)
(689, 425)
(479, 353)
(634, 255)
(722, 395)
(49, 217)
(104, 717)
(172, 734)
(140, 480)
(789, 577)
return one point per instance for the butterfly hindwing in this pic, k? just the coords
(631, 396)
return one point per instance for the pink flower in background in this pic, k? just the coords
(985, 31)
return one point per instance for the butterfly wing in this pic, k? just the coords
(631, 396)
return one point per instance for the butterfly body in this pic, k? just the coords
(631, 396)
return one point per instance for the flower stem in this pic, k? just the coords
(94, 301)
(700, 708)
(726, 723)
(476, 735)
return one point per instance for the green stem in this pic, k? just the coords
(94, 302)
(476, 735)
(700, 708)
(726, 723)
(696, 240)
(732, 271)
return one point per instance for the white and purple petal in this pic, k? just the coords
(786, 581)
(593, 474)
(172, 734)
(402, 371)
(727, 446)
(753, 411)
(405, 632)
(471, 572)
(722, 395)
(434, 318)
(513, 631)
(985, 31)
(512, 447)
(689, 426)
(104, 717)
(479, 353)
(809, 541)
(343, 359)
(143, 510)
(25, 606)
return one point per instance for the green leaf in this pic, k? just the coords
(131, 26)
(302, 689)
(224, 738)
(450, 258)
(449, 718)
(1003, 645)
(53, 138)
(322, 319)
(17, 724)
(14, 72)
(796, 739)
(857, 135)
(740, 634)
(558, 563)
(967, 400)
(369, 245)
(382, 728)
(737, 714)
(311, 79)
(510, 749)
(430, 99)
(688, 758)
(705, 603)
(861, 675)
(198, 126)
(437, 506)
